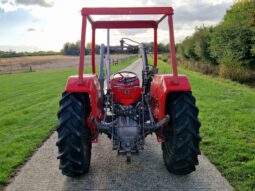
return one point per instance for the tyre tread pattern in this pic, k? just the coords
(181, 149)
(74, 147)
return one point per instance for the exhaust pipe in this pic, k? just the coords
(108, 60)
(101, 75)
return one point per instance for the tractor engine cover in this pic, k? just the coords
(126, 92)
(128, 131)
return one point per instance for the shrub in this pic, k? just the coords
(187, 48)
(199, 67)
(232, 69)
(231, 44)
(235, 41)
(202, 38)
(164, 57)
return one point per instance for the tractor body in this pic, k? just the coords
(129, 109)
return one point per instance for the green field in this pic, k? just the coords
(227, 114)
(28, 108)
(29, 103)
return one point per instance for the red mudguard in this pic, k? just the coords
(90, 85)
(161, 86)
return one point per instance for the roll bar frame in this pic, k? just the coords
(133, 24)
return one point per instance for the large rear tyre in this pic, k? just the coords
(74, 142)
(181, 146)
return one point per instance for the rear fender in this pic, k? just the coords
(91, 86)
(161, 86)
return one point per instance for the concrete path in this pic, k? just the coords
(111, 172)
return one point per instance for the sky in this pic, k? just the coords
(34, 25)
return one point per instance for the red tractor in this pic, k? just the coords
(129, 109)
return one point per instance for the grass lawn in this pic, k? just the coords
(227, 114)
(28, 108)
(29, 103)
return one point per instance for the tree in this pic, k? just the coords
(89, 45)
(234, 37)
(162, 48)
(232, 42)
(188, 48)
(202, 38)
(71, 48)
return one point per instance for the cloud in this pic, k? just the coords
(131, 32)
(31, 29)
(187, 16)
(1, 12)
(12, 19)
(42, 3)
(154, 3)
(179, 3)
(4, 1)
(186, 10)
(201, 12)
(14, 24)
(7, 5)
(18, 48)
(17, 21)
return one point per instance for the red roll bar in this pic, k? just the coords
(88, 12)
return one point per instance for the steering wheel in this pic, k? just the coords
(125, 76)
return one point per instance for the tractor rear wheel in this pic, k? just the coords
(181, 146)
(74, 142)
